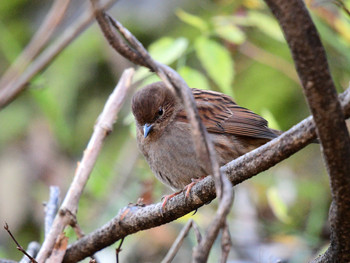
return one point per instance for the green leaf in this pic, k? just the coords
(217, 62)
(166, 50)
(193, 78)
(192, 20)
(227, 30)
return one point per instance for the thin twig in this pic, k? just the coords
(197, 232)
(118, 250)
(226, 243)
(19, 247)
(51, 208)
(201, 252)
(178, 242)
(10, 92)
(32, 249)
(102, 128)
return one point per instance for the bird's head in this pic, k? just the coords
(153, 108)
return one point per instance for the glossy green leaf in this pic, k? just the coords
(193, 78)
(217, 62)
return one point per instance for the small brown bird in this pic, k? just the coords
(164, 132)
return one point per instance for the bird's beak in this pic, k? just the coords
(147, 128)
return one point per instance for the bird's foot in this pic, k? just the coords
(187, 188)
(166, 198)
(190, 185)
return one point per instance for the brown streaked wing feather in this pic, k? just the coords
(220, 114)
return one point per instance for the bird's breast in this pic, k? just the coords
(172, 157)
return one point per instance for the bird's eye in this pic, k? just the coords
(160, 111)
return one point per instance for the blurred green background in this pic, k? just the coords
(235, 47)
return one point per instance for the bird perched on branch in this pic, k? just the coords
(164, 132)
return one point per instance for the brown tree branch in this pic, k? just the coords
(312, 67)
(226, 243)
(238, 170)
(201, 252)
(102, 128)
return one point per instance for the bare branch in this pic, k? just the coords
(51, 208)
(19, 247)
(118, 250)
(197, 232)
(178, 242)
(226, 243)
(32, 249)
(9, 93)
(201, 252)
(59, 249)
(102, 128)
(312, 67)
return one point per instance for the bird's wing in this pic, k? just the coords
(220, 114)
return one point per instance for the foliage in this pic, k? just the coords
(235, 47)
